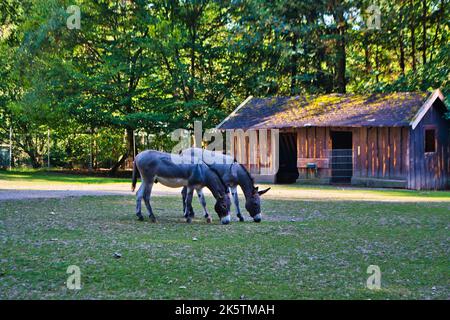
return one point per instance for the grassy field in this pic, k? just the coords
(305, 248)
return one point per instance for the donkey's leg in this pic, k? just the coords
(139, 196)
(189, 205)
(236, 203)
(191, 209)
(147, 194)
(188, 200)
(183, 195)
(201, 198)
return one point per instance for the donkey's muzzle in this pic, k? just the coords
(226, 219)
(257, 218)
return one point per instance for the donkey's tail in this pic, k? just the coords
(134, 176)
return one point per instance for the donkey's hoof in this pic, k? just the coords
(153, 219)
(188, 219)
(241, 218)
(189, 215)
(208, 220)
(140, 218)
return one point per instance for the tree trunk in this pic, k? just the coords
(340, 69)
(402, 54)
(340, 56)
(401, 39)
(192, 62)
(35, 163)
(31, 148)
(377, 63)
(294, 65)
(439, 17)
(413, 39)
(367, 65)
(129, 152)
(424, 31)
(34, 156)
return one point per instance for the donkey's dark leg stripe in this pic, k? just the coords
(190, 208)
(201, 198)
(188, 200)
(236, 203)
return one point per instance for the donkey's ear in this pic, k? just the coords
(263, 191)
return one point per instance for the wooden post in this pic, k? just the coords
(48, 148)
(134, 146)
(90, 151)
(10, 147)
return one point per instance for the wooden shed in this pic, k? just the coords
(380, 140)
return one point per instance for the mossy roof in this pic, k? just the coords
(352, 110)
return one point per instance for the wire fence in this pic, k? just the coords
(341, 165)
(334, 165)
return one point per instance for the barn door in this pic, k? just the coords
(341, 157)
(287, 172)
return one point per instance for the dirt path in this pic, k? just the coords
(18, 190)
(13, 190)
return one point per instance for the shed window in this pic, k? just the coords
(430, 140)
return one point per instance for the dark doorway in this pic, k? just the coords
(341, 157)
(287, 171)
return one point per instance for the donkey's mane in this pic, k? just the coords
(218, 175)
(248, 173)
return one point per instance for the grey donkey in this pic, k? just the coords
(173, 171)
(233, 174)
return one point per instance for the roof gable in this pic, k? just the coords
(425, 107)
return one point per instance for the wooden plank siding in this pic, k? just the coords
(429, 171)
(313, 144)
(381, 153)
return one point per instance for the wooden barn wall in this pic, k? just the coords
(430, 170)
(378, 152)
(313, 145)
